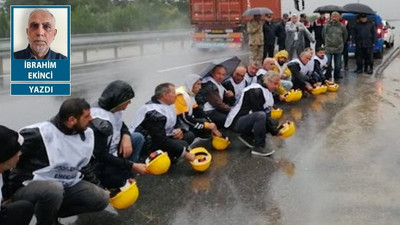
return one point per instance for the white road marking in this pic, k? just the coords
(195, 64)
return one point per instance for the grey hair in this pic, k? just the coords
(43, 10)
(162, 89)
(269, 76)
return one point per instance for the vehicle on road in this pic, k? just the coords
(388, 34)
(377, 20)
(220, 24)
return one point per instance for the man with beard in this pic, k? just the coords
(41, 32)
(48, 173)
(281, 59)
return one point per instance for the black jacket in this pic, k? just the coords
(364, 34)
(269, 31)
(113, 95)
(253, 100)
(34, 155)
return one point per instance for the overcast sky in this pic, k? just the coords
(388, 9)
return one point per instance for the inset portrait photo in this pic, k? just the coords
(40, 32)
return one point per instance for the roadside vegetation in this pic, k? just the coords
(101, 16)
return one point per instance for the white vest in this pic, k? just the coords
(304, 69)
(269, 102)
(250, 80)
(323, 62)
(67, 154)
(116, 121)
(238, 88)
(221, 90)
(310, 66)
(167, 110)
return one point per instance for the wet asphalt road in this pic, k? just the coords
(339, 168)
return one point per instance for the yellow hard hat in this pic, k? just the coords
(126, 197)
(333, 87)
(203, 159)
(220, 143)
(158, 162)
(323, 89)
(298, 95)
(276, 113)
(287, 129)
(290, 96)
(316, 91)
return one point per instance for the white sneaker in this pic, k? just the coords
(262, 151)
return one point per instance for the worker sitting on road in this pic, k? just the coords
(249, 117)
(191, 116)
(212, 94)
(116, 151)
(158, 122)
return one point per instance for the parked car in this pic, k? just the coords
(377, 20)
(388, 34)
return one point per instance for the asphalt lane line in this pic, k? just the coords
(195, 64)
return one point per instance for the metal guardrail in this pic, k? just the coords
(86, 42)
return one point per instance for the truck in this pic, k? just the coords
(220, 24)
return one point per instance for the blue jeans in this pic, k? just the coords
(52, 200)
(137, 140)
(337, 60)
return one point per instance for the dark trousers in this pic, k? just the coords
(18, 212)
(318, 44)
(217, 117)
(52, 200)
(364, 58)
(253, 123)
(281, 44)
(345, 54)
(268, 51)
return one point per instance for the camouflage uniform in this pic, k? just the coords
(256, 40)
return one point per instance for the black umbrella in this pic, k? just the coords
(257, 11)
(358, 8)
(329, 9)
(230, 65)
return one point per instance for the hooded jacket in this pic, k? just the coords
(282, 70)
(190, 115)
(109, 128)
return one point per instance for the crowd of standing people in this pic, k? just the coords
(294, 34)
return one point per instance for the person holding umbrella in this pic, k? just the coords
(256, 38)
(212, 94)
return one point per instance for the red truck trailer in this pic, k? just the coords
(219, 23)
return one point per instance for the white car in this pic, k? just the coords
(388, 34)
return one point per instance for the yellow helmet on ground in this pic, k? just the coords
(220, 143)
(126, 197)
(287, 129)
(203, 159)
(276, 113)
(290, 96)
(298, 95)
(158, 162)
(316, 91)
(323, 89)
(333, 87)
